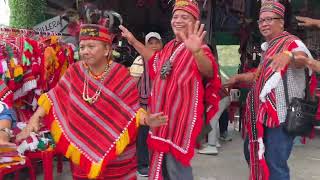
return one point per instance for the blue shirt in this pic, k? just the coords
(8, 114)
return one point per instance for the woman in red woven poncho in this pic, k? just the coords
(93, 112)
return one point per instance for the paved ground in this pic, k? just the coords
(230, 164)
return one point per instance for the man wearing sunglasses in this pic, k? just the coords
(270, 146)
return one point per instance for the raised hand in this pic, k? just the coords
(194, 39)
(127, 34)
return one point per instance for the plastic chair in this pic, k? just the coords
(16, 170)
(47, 159)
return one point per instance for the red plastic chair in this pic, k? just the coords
(16, 170)
(47, 159)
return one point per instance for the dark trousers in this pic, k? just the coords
(246, 148)
(223, 122)
(142, 147)
(174, 170)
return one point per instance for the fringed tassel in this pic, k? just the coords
(122, 143)
(95, 170)
(262, 161)
(56, 131)
(129, 134)
(74, 154)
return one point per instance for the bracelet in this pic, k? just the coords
(290, 54)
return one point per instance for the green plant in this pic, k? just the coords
(26, 13)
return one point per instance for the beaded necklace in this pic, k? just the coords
(85, 93)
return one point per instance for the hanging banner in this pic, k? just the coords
(56, 24)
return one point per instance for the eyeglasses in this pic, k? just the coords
(268, 20)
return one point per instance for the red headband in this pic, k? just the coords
(275, 7)
(189, 6)
(95, 32)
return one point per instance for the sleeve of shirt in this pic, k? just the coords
(212, 59)
(153, 64)
(8, 114)
(298, 45)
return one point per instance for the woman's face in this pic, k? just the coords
(94, 52)
(180, 22)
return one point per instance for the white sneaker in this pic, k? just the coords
(209, 150)
(218, 145)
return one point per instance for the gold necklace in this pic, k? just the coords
(85, 93)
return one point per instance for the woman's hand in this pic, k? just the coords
(32, 126)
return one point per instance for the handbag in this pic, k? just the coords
(301, 112)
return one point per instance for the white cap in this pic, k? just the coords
(152, 35)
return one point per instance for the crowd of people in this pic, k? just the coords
(113, 122)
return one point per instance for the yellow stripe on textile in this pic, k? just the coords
(95, 170)
(138, 116)
(74, 154)
(122, 143)
(55, 131)
(44, 102)
(124, 139)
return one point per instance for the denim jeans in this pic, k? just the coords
(278, 146)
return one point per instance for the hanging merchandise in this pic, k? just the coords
(31, 63)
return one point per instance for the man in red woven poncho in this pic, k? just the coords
(177, 90)
(270, 145)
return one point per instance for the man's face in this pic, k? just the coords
(180, 21)
(270, 25)
(154, 44)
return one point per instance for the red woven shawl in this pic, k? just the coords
(94, 128)
(180, 96)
